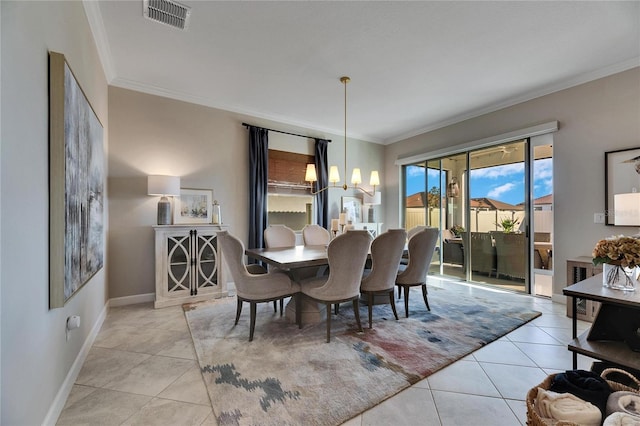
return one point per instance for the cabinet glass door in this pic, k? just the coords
(207, 262)
(179, 264)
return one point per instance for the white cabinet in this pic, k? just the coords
(188, 264)
(374, 229)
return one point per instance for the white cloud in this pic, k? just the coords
(413, 171)
(498, 171)
(498, 191)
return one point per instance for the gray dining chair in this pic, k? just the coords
(253, 288)
(421, 248)
(279, 236)
(315, 235)
(386, 252)
(346, 255)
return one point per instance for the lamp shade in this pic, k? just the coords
(627, 209)
(163, 185)
(375, 179)
(356, 178)
(372, 200)
(334, 176)
(310, 175)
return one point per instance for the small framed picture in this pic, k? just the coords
(352, 206)
(193, 206)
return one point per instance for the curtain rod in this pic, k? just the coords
(286, 133)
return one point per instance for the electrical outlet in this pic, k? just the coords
(598, 218)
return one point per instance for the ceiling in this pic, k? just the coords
(414, 66)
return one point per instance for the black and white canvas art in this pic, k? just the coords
(79, 150)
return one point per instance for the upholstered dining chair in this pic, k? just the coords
(410, 233)
(279, 236)
(346, 254)
(315, 235)
(421, 248)
(386, 251)
(253, 288)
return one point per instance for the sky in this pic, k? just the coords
(502, 183)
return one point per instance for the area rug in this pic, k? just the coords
(288, 376)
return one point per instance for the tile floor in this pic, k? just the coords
(142, 370)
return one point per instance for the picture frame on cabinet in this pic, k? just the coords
(193, 206)
(353, 207)
(76, 185)
(622, 176)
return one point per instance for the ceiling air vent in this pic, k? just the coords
(167, 12)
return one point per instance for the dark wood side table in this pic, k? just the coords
(615, 332)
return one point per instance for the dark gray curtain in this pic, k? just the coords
(322, 199)
(258, 179)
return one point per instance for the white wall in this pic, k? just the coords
(602, 115)
(36, 357)
(208, 148)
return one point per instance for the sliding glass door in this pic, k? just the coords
(480, 201)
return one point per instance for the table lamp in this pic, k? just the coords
(372, 200)
(163, 186)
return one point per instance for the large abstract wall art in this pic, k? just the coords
(76, 185)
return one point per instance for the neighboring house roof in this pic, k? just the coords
(544, 200)
(491, 204)
(416, 200)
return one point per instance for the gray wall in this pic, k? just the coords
(208, 148)
(36, 357)
(602, 115)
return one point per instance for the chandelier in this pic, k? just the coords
(334, 175)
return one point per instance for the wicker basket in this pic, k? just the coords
(615, 386)
(533, 419)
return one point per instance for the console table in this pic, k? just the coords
(615, 331)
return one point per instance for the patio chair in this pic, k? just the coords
(510, 252)
(253, 288)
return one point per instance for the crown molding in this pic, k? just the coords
(92, 10)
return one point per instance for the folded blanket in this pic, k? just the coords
(586, 385)
(621, 419)
(625, 402)
(567, 407)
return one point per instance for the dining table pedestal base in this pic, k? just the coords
(312, 311)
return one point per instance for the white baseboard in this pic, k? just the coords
(132, 300)
(65, 389)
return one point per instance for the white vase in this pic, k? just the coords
(620, 278)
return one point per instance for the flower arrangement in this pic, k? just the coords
(457, 230)
(618, 250)
(508, 224)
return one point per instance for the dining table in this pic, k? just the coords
(297, 261)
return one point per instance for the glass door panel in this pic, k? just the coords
(454, 170)
(542, 219)
(498, 250)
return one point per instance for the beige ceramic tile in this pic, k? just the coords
(139, 339)
(163, 412)
(103, 364)
(188, 388)
(102, 407)
(77, 393)
(503, 352)
(462, 409)
(182, 347)
(513, 381)
(463, 377)
(410, 407)
(151, 376)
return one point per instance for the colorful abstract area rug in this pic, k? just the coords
(288, 376)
